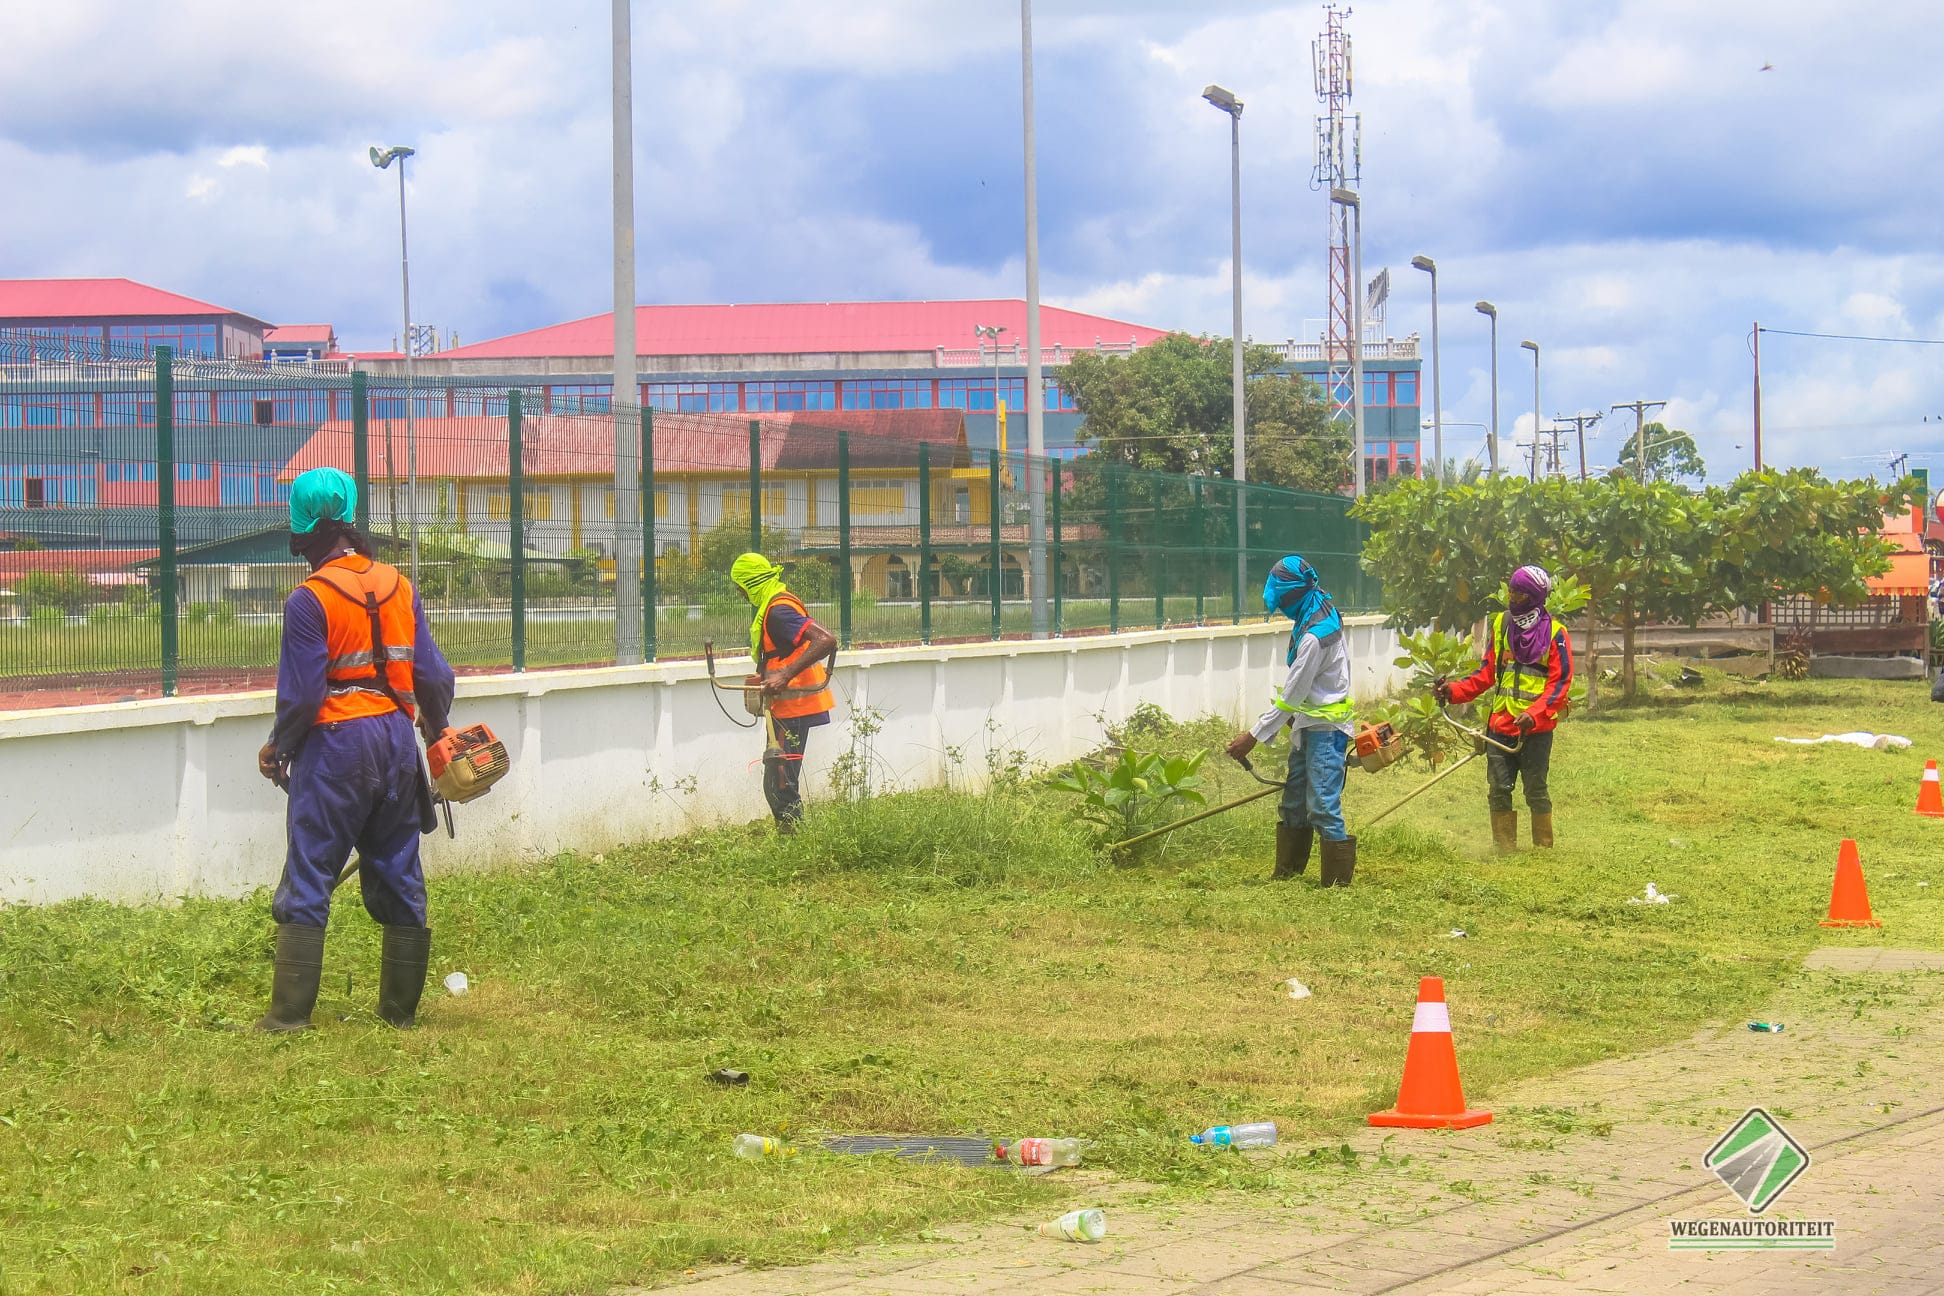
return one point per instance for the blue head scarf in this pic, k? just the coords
(1293, 590)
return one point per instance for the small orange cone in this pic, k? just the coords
(1430, 1097)
(1930, 798)
(1849, 899)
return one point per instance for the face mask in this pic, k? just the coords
(1526, 620)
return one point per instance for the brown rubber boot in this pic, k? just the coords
(293, 988)
(1292, 851)
(1542, 828)
(1505, 831)
(1339, 862)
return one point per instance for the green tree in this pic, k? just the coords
(65, 591)
(1671, 455)
(1170, 407)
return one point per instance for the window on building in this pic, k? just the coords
(581, 398)
(976, 393)
(1058, 399)
(877, 501)
(1376, 389)
(187, 339)
(735, 501)
(537, 504)
(1404, 388)
(887, 393)
(766, 397)
(693, 398)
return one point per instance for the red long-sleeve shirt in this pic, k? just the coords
(1545, 711)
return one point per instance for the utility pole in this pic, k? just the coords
(1035, 393)
(623, 398)
(1580, 422)
(1758, 395)
(1640, 408)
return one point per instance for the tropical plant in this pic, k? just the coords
(1139, 792)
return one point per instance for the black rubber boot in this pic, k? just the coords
(401, 974)
(293, 988)
(1339, 862)
(1292, 851)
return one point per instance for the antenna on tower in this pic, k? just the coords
(1339, 166)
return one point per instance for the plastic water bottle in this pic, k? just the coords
(1258, 1134)
(1077, 1226)
(754, 1146)
(1041, 1152)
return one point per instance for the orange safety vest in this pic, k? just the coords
(815, 677)
(368, 626)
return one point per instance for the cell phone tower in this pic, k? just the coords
(1339, 165)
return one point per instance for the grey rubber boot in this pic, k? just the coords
(401, 974)
(293, 988)
(1339, 862)
(1292, 851)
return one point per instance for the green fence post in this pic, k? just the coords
(1053, 566)
(516, 530)
(755, 486)
(998, 582)
(165, 513)
(1158, 558)
(843, 573)
(647, 534)
(1113, 549)
(1201, 554)
(361, 445)
(924, 542)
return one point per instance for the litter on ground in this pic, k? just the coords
(1077, 1226)
(1652, 895)
(1878, 742)
(1297, 990)
(456, 983)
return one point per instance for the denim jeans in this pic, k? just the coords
(1314, 793)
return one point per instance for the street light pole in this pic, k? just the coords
(1534, 348)
(1035, 396)
(1228, 103)
(629, 627)
(1490, 311)
(382, 159)
(992, 331)
(1349, 198)
(1430, 267)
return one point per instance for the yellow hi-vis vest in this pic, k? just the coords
(1518, 684)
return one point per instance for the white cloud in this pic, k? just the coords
(252, 155)
(200, 186)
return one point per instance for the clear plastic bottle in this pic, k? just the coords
(1041, 1152)
(1257, 1134)
(755, 1146)
(1077, 1226)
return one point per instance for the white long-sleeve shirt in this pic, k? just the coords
(1317, 676)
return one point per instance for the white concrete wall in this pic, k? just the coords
(151, 800)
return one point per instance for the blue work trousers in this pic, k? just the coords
(354, 785)
(1313, 794)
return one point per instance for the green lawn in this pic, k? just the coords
(932, 962)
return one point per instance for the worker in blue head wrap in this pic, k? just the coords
(1314, 703)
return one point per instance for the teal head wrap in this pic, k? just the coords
(322, 495)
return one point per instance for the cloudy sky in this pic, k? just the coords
(1622, 177)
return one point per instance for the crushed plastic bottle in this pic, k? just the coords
(755, 1146)
(1040, 1152)
(1077, 1226)
(1256, 1134)
(456, 984)
(1769, 1028)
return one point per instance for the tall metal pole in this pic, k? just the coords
(1490, 312)
(1534, 348)
(411, 415)
(1758, 396)
(1241, 473)
(1356, 339)
(1430, 267)
(628, 625)
(1035, 399)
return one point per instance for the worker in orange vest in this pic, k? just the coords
(357, 667)
(790, 651)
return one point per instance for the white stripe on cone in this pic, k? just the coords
(1930, 773)
(1430, 1019)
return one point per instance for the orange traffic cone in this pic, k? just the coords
(1430, 1097)
(1930, 799)
(1849, 899)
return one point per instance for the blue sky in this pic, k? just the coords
(1620, 177)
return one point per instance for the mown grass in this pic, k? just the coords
(928, 962)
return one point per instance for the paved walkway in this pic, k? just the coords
(1569, 1190)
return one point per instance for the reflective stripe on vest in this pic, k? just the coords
(347, 593)
(816, 676)
(1519, 684)
(1342, 712)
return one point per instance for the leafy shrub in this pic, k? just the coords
(64, 590)
(1139, 792)
(45, 617)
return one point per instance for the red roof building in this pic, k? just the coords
(88, 319)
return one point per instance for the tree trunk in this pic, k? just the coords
(1592, 657)
(1627, 647)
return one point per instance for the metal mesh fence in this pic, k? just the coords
(144, 526)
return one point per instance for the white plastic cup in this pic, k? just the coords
(1078, 1226)
(456, 983)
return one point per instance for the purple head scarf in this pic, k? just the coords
(1530, 626)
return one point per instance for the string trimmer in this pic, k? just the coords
(756, 701)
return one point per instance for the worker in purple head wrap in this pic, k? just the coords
(1528, 673)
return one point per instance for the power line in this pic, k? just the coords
(1854, 337)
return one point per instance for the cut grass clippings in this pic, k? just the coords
(921, 963)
